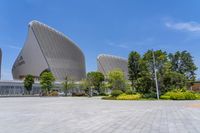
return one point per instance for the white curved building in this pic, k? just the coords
(107, 63)
(47, 49)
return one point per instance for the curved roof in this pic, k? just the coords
(112, 56)
(49, 49)
(35, 22)
(107, 63)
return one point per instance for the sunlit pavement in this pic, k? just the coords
(93, 115)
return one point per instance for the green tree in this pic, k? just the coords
(95, 79)
(160, 60)
(68, 84)
(182, 62)
(104, 87)
(171, 79)
(85, 85)
(134, 67)
(28, 83)
(116, 79)
(173, 71)
(144, 83)
(46, 81)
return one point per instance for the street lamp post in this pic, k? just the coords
(155, 72)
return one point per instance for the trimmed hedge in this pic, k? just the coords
(124, 97)
(198, 96)
(129, 97)
(165, 97)
(116, 93)
(175, 95)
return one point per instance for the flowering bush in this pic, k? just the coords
(129, 97)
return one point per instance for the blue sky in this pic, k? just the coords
(104, 26)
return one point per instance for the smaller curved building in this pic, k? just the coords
(107, 63)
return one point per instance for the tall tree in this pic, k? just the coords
(144, 83)
(116, 79)
(28, 83)
(84, 85)
(68, 84)
(160, 60)
(95, 79)
(182, 62)
(46, 81)
(134, 67)
(171, 79)
(173, 71)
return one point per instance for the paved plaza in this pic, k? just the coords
(93, 115)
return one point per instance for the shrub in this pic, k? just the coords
(116, 93)
(53, 93)
(179, 95)
(150, 95)
(190, 96)
(129, 97)
(165, 97)
(129, 91)
(179, 90)
(197, 96)
(103, 94)
(109, 98)
(78, 94)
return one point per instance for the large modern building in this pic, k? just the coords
(107, 63)
(47, 49)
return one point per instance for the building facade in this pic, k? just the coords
(195, 86)
(16, 88)
(47, 49)
(107, 63)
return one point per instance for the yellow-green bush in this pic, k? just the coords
(165, 97)
(129, 97)
(197, 96)
(129, 92)
(179, 95)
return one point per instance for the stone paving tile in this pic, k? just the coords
(93, 115)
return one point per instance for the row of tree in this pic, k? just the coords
(46, 81)
(173, 70)
(96, 82)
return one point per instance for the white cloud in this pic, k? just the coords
(11, 46)
(186, 26)
(113, 44)
(123, 46)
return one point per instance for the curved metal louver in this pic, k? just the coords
(107, 63)
(49, 49)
